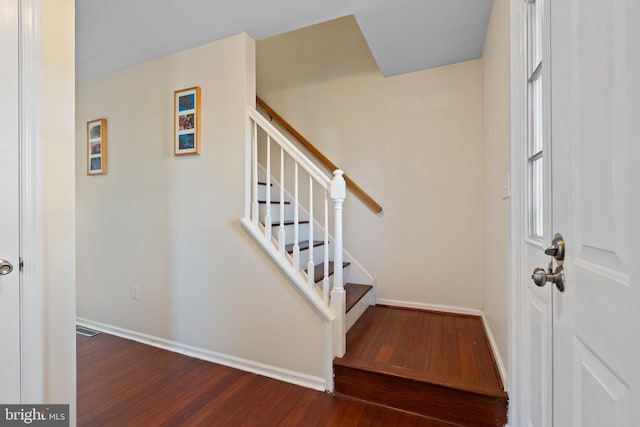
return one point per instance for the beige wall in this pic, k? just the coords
(413, 142)
(58, 204)
(171, 225)
(496, 80)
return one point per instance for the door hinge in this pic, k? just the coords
(21, 264)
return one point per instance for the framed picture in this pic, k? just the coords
(187, 121)
(97, 147)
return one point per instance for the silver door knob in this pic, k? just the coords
(5, 267)
(541, 277)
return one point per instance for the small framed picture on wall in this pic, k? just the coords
(97, 147)
(186, 121)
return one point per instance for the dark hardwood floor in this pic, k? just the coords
(124, 383)
(435, 364)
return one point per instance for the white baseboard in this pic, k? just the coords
(431, 307)
(298, 378)
(496, 354)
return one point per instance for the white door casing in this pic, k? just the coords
(595, 128)
(10, 320)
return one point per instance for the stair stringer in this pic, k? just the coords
(309, 295)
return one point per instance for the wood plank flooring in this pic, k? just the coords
(435, 364)
(125, 383)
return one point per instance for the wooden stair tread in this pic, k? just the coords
(355, 292)
(304, 245)
(273, 202)
(318, 270)
(278, 224)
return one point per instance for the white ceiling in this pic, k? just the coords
(403, 35)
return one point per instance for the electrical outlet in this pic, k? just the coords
(135, 293)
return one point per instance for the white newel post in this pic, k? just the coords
(338, 296)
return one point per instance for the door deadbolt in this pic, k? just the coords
(5, 267)
(557, 248)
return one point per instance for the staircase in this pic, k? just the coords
(287, 211)
(436, 365)
(355, 301)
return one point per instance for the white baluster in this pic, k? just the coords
(310, 265)
(267, 216)
(281, 235)
(254, 163)
(338, 296)
(325, 281)
(296, 229)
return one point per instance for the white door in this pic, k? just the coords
(9, 207)
(580, 177)
(595, 133)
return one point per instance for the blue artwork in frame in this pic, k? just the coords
(186, 102)
(97, 147)
(186, 141)
(187, 121)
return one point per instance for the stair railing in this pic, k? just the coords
(357, 190)
(292, 167)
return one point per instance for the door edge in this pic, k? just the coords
(31, 244)
(516, 206)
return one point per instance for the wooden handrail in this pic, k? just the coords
(367, 199)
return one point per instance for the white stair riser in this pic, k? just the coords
(274, 210)
(318, 256)
(275, 192)
(358, 310)
(319, 289)
(303, 232)
(262, 192)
